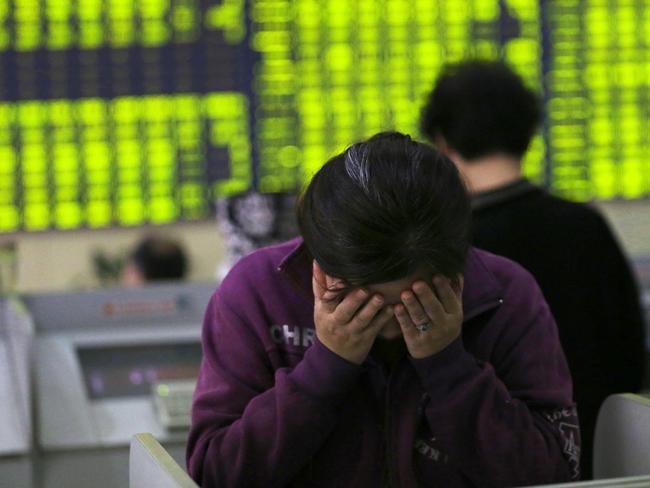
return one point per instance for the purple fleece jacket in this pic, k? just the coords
(274, 407)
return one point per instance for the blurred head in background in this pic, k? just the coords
(155, 258)
(483, 117)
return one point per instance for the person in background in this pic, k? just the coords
(483, 117)
(250, 220)
(155, 258)
(378, 349)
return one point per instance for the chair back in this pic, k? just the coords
(151, 465)
(622, 437)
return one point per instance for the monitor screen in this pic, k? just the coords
(122, 113)
(128, 371)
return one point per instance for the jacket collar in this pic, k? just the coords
(481, 291)
(502, 194)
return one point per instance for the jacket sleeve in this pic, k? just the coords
(514, 414)
(622, 314)
(253, 426)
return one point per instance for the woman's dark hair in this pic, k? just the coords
(160, 258)
(481, 108)
(385, 208)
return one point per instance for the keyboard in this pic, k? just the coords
(173, 402)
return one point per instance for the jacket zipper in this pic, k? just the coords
(387, 475)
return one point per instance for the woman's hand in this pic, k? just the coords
(430, 320)
(349, 327)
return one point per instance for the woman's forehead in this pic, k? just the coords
(391, 290)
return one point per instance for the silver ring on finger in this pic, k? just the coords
(423, 326)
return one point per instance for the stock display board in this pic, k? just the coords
(127, 112)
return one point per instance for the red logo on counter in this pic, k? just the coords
(139, 308)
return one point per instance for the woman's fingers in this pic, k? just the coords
(325, 288)
(367, 313)
(405, 322)
(349, 306)
(451, 300)
(379, 321)
(421, 303)
(318, 282)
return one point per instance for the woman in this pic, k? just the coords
(379, 349)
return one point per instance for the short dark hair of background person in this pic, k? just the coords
(160, 258)
(462, 109)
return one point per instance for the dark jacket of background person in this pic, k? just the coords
(275, 407)
(483, 116)
(586, 280)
